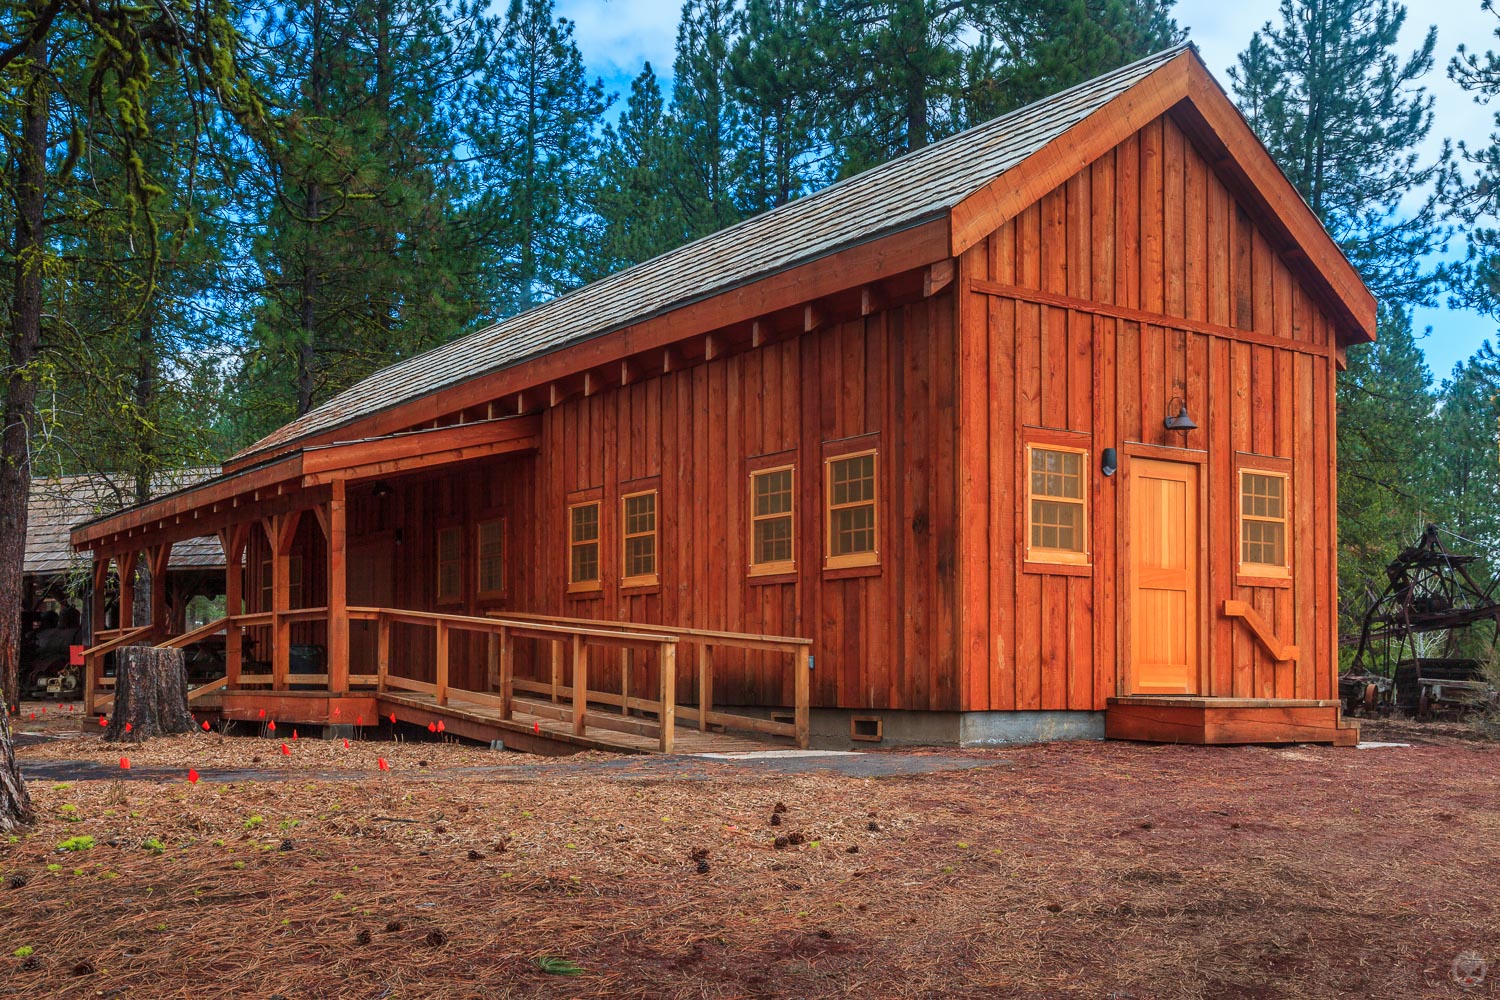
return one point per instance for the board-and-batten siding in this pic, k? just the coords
(1053, 334)
(884, 636)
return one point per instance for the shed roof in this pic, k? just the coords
(904, 192)
(59, 502)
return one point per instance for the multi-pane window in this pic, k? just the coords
(639, 534)
(450, 561)
(851, 510)
(490, 549)
(771, 528)
(583, 546)
(1263, 521)
(1057, 514)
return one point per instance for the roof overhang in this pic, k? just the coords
(1186, 90)
(300, 479)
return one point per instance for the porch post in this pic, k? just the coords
(98, 599)
(161, 625)
(233, 541)
(125, 576)
(282, 530)
(338, 602)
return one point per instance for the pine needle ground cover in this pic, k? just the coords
(1079, 869)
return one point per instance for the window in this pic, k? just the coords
(583, 546)
(450, 573)
(1056, 510)
(267, 583)
(294, 582)
(771, 528)
(639, 536)
(1263, 505)
(489, 544)
(851, 511)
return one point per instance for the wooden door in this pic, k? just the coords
(371, 584)
(1164, 587)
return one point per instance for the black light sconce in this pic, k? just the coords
(1108, 461)
(382, 490)
(1179, 421)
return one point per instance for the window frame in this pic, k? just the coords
(479, 592)
(1049, 557)
(850, 560)
(596, 584)
(653, 578)
(439, 562)
(778, 567)
(1263, 574)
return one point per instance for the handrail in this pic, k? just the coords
(705, 640)
(123, 639)
(1258, 626)
(188, 638)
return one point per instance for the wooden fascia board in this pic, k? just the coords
(393, 467)
(210, 523)
(323, 464)
(872, 261)
(189, 501)
(1185, 89)
(987, 209)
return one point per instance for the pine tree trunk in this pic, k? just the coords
(15, 803)
(151, 694)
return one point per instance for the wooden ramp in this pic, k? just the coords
(1213, 721)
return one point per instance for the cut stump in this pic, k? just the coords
(151, 695)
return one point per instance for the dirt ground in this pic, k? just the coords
(1059, 870)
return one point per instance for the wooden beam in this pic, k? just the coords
(813, 316)
(335, 529)
(628, 371)
(1274, 647)
(233, 539)
(760, 334)
(872, 299)
(125, 575)
(580, 686)
(939, 276)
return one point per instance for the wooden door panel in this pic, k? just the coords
(1163, 577)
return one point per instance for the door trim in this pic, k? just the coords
(1124, 656)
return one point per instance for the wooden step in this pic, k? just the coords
(1225, 721)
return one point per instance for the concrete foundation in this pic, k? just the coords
(831, 728)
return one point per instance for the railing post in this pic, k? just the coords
(802, 685)
(90, 681)
(580, 686)
(705, 685)
(668, 694)
(492, 660)
(442, 663)
(507, 671)
(626, 663)
(557, 650)
(382, 650)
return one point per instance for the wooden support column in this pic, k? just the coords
(557, 653)
(705, 685)
(158, 557)
(125, 578)
(281, 529)
(233, 540)
(668, 695)
(338, 583)
(442, 663)
(382, 651)
(626, 661)
(580, 686)
(492, 661)
(98, 598)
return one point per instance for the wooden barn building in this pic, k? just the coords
(1026, 434)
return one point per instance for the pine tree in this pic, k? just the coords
(532, 122)
(1344, 114)
(1476, 199)
(635, 214)
(1465, 466)
(705, 120)
(775, 78)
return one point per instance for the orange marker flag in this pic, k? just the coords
(128, 727)
(294, 734)
(192, 776)
(286, 750)
(271, 725)
(536, 727)
(102, 722)
(337, 710)
(432, 727)
(441, 727)
(124, 763)
(359, 720)
(393, 718)
(346, 744)
(262, 713)
(205, 725)
(383, 765)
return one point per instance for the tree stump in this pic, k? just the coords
(151, 692)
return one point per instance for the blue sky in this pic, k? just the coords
(617, 36)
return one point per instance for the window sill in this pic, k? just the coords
(851, 572)
(582, 590)
(1057, 569)
(769, 578)
(639, 589)
(1262, 580)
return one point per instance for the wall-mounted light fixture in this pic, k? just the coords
(1178, 421)
(382, 490)
(1108, 461)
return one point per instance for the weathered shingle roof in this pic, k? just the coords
(58, 503)
(897, 195)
